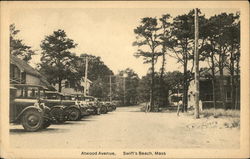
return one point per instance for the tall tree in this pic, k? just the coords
(166, 43)
(56, 57)
(222, 39)
(130, 87)
(233, 37)
(183, 36)
(18, 47)
(147, 36)
(183, 46)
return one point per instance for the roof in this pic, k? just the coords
(27, 85)
(22, 65)
(205, 71)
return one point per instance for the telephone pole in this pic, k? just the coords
(196, 61)
(86, 76)
(110, 88)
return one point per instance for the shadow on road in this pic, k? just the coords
(22, 131)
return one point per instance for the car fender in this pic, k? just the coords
(72, 106)
(58, 106)
(29, 108)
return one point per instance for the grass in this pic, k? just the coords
(216, 113)
(231, 117)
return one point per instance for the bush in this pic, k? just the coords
(220, 113)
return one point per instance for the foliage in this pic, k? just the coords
(147, 36)
(183, 37)
(56, 60)
(131, 84)
(18, 47)
(98, 73)
(222, 48)
(144, 88)
(174, 81)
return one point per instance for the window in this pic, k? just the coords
(14, 73)
(23, 77)
(19, 93)
(51, 96)
(32, 93)
(208, 97)
(228, 95)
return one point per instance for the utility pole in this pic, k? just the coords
(86, 76)
(110, 88)
(124, 90)
(196, 61)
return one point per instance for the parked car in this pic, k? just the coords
(88, 104)
(109, 105)
(53, 100)
(27, 107)
(72, 108)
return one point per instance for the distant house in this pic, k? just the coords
(206, 90)
(22, 73)
(71, 87)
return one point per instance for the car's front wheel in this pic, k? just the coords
(73, 114)
(58, 114)
(46, 124)
(32, 120)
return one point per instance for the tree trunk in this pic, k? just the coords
(162, 85)
(237, 97)
(152, 85)
(185, 93)
(232, 80)
(222, 88)
(213, 80)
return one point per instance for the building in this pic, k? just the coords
(22, 73)
(72, 87)
(206, 91)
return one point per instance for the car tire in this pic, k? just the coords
(32, 120)
(58, 114)
(46, 124)
(73, 114)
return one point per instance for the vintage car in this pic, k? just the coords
(110, 106)
(27, 107)
(72, 108)
(53, 100)
(87, 104)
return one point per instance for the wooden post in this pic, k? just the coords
(86, 76)
(196, 59)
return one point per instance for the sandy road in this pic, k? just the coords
(126, 128)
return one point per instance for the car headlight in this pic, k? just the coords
(42, 105)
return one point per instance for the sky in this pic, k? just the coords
(104, 32)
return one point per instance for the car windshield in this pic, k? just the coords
(52, 96)
(42, 94)
(32, 92)
(67, 98)
(28, 92)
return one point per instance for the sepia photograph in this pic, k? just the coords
(148, 79)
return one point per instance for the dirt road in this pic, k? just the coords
(126, 128)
